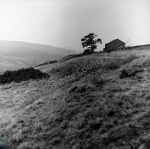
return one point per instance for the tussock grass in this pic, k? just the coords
(116, 63)
(129, 59)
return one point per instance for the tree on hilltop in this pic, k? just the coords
(90, 43)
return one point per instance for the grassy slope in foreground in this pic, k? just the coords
(94, 110)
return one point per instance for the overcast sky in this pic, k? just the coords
(63, 23)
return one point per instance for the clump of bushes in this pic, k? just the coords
(23, 74)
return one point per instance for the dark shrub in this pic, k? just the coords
(22, 75)
(86, 52)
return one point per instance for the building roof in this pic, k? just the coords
(115, 40)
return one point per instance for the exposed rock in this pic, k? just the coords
(146, 63)
(73, 89)
(77, 89)
(148, 98)
(146, 141)
(142, 146)
(81, 89)
(122, 133)
(126, 73)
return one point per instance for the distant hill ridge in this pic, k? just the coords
(18, 54)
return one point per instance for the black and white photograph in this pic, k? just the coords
(74, 74)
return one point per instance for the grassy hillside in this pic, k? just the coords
(84, 104)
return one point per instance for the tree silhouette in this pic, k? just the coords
(90, 42)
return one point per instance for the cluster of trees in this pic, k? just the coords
(90, 43)
(22, 75)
